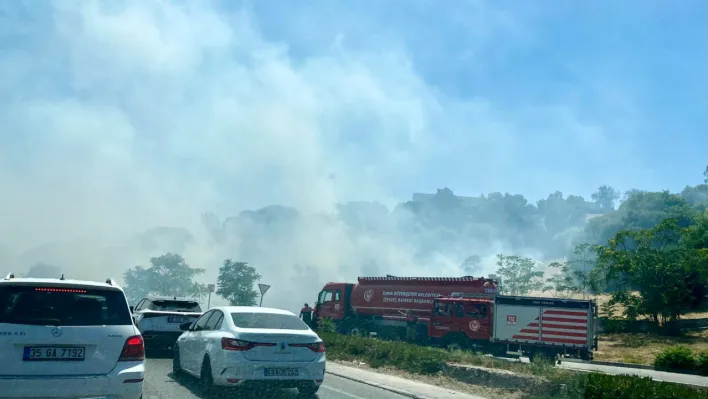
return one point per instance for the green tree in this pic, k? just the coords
(236, 283)
(199, 291)
(659, 263)
(518, 275)
(560, 213)
(605, 197)
(581, 264)
(696, 240)
(640, 210)
(705, 175)
(564, 282)
(168, 274)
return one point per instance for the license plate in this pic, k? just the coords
(53, 353)
(280, 372)
(177, 319)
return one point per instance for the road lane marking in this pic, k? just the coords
(342, 392)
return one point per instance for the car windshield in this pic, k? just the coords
(62, 306)
(269, 321)
(184, 306)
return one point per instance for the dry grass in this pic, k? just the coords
(604, 298)
(643, 348)
(444, 382)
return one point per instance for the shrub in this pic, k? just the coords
(325, 324)
(675, 358)
(602, 386)
(702, 363)
(378, 353)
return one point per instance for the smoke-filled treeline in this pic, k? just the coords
(432, 234)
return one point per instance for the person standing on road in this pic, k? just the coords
(306, 315)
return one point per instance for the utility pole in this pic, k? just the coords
(211, 288)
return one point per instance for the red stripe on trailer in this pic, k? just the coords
(551, 325)
(565, 313)
(529, 331)
(564, 320)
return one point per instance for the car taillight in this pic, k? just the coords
(133, 350)
(318, 347)
(231, 344)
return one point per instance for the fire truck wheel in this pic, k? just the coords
(356, 331)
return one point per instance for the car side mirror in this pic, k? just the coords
(185, 326)
(132, 308)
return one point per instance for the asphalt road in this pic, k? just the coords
(161, 384)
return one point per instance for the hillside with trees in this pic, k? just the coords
(431, 234)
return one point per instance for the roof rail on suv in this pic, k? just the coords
(10, 276)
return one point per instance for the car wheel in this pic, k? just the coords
(176, 367)
(308, 390)
(206, 378)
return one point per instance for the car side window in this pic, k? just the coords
(216, 318)
(201, 323)
(219, 323)
(337, 295)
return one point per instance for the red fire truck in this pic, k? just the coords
(461, 313)
(376, 304)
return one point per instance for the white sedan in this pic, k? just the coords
(242, 346)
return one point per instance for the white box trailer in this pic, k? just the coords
(546, 326)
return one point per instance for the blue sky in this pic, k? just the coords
(121, 107)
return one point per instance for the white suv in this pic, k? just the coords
(67, 339)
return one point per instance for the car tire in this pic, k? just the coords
(308, 390)
(206, 378)
(176, 367)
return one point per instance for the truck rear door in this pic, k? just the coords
(552, 322)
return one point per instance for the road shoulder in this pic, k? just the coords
(401, 386)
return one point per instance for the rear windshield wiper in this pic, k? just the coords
(37, 322)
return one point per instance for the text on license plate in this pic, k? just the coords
(280, 372)
(57, 353)
(177, 319)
